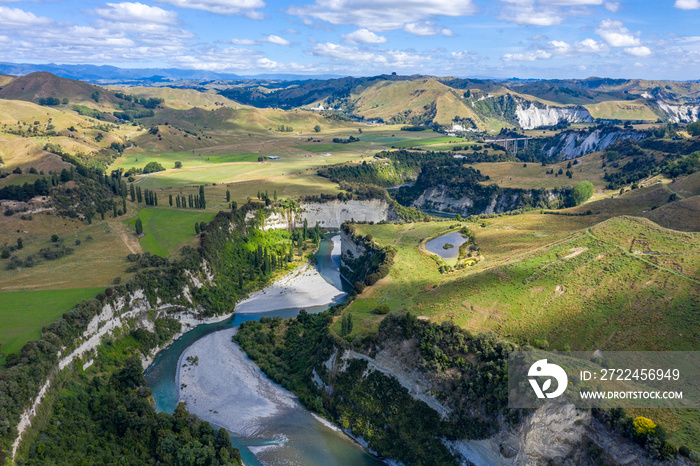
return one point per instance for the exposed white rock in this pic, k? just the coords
(680, 113)
(331, 214)
(572, 144)
(535, 116)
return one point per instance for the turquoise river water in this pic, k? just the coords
(295, 438)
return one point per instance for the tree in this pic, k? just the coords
(178, 164)
(582, 192)
(54, 238)
(139, 227)
(20, 243)
(152, 167)
(694, 128)
(202, 201)
(228, 196)
(170, 199)
(346, 325)
(317, 128)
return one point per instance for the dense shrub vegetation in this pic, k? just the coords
(650, 157)
(107, 418)
(369, 267)
(371, 405)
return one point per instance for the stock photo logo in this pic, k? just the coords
(542, 369)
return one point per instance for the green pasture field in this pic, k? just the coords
(540, 281)
(420, 142)
(291, 186)
(168, 229)
(244, 171)
(464, 145)
(187, 158)
(381, 139)
(326, 147)
(24, 313)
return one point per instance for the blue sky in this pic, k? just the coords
(472, 38)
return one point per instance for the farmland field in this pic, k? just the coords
(24, 313)
(165, 230)
(236, 172)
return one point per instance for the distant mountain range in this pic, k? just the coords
(105, 74)
(458, 104)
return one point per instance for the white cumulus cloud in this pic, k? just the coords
(616, 34)
(528, 56)
(426, 28)
(128, 12)
(224, 7)
(528, 15)
(341, 52)
(381, 15)
(363, 36)
(273, 39)
(687, 4)
(641, 51)
(16, 18)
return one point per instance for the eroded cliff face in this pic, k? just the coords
(572, 144)
(534, 116)
(132, 310)
(680, 113)
(438, 199)
(332, 214)
(557, 433)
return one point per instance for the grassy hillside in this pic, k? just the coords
(534, 176)
(622, 110)
(166, 230)
(670, 204)
(410, 102)
(35, 86)
(95, 262)
(6, 79)
(581, 290)
(182, 99)
(24, 313)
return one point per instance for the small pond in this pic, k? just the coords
(440, 246)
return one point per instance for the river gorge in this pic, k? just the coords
(222, 385)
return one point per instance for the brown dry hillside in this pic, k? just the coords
(5, 79)
(406, 101)
(34, 86)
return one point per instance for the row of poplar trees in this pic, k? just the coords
(181, 201)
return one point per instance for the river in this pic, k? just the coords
(224, 387)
